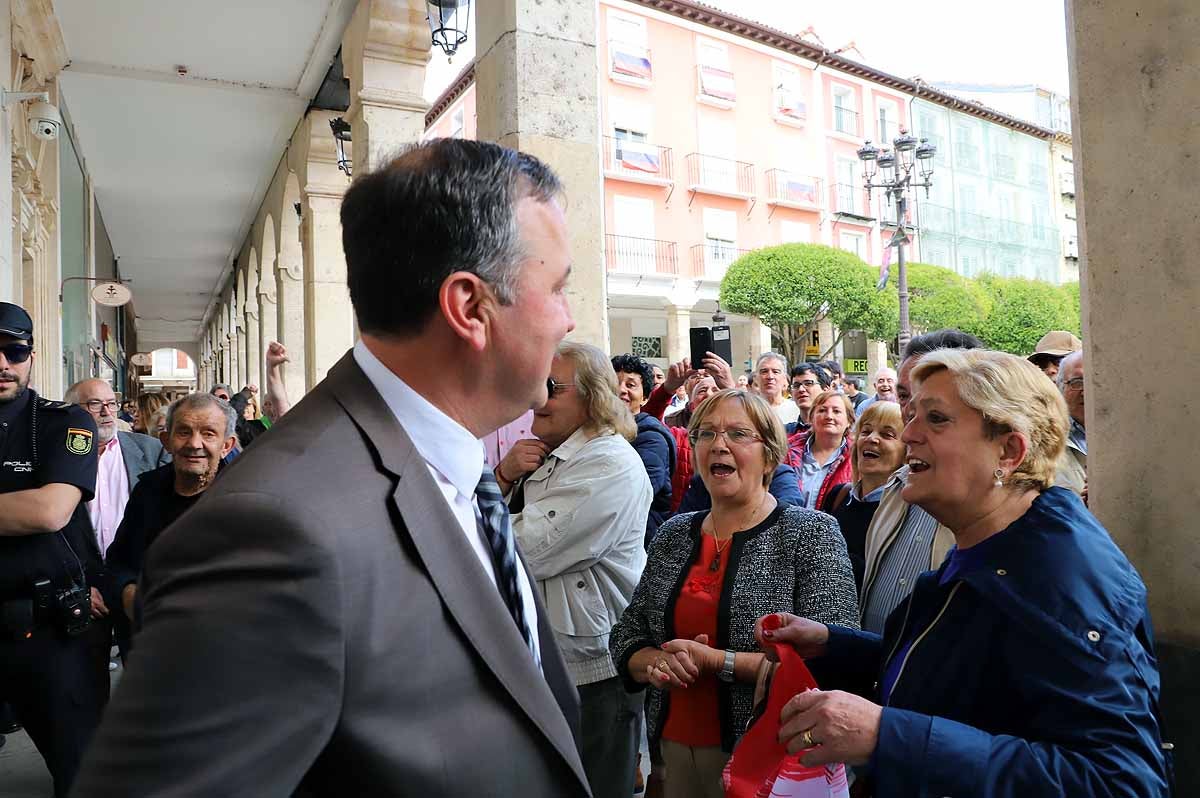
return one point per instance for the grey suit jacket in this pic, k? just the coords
(318, 623)
(141, 453)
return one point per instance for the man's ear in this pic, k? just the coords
(164, 439)
(227, 447)
(467, 304)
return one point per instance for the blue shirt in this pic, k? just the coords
(813, 474)
(1077, 436)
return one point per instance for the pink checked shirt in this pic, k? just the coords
(497, 444)
(112, 493)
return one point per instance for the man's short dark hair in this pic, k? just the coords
(922, 345)
(632, 364)
(800, 369)
(831, 366)
(439, 207)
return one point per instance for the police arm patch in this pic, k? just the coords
(79, 441)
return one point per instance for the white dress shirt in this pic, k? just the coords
(455, 459)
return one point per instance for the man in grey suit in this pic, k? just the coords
(344, 613)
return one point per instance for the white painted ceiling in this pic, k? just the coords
(181, 164)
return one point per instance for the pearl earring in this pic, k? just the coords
(999, 475)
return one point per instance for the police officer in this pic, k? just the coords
(47, 551)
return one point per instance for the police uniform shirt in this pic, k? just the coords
(66, 453)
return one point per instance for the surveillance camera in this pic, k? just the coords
(44, 121)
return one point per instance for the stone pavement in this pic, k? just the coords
(22, 773)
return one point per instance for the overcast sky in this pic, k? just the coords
(1012, 42)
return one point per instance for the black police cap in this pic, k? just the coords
(15, 321)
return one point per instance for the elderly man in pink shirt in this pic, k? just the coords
(123, 458)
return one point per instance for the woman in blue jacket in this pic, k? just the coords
(1023, 667)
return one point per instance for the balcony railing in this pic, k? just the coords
(793, 189)
(640, 161)
(973, 225)
(711, 260)
(629, 62)
(640, 255)
(850, 198)
(715, 175)
(716, 85)
(845, 120)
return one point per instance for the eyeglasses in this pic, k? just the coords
(804, 383)
(735, 436)
(96, 405)
(554, 388)
(16, 353)
(1075, 383)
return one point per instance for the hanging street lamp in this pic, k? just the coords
(448, 20)
(895, 171)
(341, 135)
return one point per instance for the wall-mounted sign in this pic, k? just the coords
(855, 366)
(141, 359)
(111, 294)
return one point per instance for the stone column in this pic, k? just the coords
(251, 318)
(877, 358)
(536, 91)
(328, 315)
(825, 336)
(268, 322)
(288, 305)
(384, 53)
(1140, 294)
(679, 322)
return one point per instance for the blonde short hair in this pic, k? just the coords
(1014, 396)
(596, 383)
(879, 414)
(830, 395)
(766, 424)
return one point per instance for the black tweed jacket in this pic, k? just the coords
(794, 561)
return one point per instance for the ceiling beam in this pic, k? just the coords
(263, 91)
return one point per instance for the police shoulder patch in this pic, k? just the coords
(79, 441)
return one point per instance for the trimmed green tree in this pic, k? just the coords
(791, 287)
(1023, 311)
(940, 298)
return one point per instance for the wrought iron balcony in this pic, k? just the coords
(845, 120)
(631, 255)
(711, 174)
(711, 259)
(792, 189)
(638, 161)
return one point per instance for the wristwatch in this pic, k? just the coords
(726, 674)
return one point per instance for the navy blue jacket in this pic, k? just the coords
(656, 446)
(1031, 676)
(785, 487)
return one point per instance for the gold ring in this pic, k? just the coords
(663, 665)
(807, 737)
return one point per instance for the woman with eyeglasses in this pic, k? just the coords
(688, 632)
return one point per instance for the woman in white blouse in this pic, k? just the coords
(579, 495)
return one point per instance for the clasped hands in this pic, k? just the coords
(680, 663)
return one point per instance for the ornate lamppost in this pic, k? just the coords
(894, 169)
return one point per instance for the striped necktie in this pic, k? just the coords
(497, 531)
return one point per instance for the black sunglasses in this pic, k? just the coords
(16, 353)
(554, 388)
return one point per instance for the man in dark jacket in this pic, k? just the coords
(199, 434)
(654, 443)
(123, 457)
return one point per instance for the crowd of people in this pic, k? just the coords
(482, 559)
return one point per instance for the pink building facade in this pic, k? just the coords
(713, 144)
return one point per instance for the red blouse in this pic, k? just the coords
(693, 716)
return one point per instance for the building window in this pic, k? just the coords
(633, 247)
(720, 241)
(847, 188)
(458, 122)
(788, 99)
(855, 243)
(970, 264)
(966, 149)
(630, 58)
(647, 346)
(886, 126)
(845, 115)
